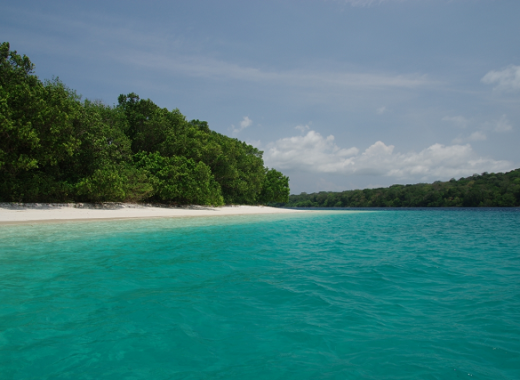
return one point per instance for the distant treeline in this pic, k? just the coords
(485, 190)
(55, 147)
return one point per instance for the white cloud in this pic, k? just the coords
(503, 125)
(507, 79)
(458, 121)
(478, 136)
(302, 128)
(173, 56)
(318, 154)
(311, 152)
(246, 122)
(500, 125)
(216, 69)
(381, 110)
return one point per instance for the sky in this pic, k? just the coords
(338, 94)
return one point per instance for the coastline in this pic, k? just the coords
(22, 213)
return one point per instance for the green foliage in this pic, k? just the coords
(179, 179)
(115, 183)
(486, 190)
(104, 184)
(55, 147)
(37, 122)
(275, 188)
(239, 170)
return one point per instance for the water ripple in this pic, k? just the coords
(392, 294)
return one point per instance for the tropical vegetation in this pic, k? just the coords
(56, 147)
(478, 190)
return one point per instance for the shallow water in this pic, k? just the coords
(399, 294)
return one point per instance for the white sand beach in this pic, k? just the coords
(12, 213)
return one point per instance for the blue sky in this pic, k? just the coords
(338, 94)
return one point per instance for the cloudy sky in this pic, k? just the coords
(339, 94)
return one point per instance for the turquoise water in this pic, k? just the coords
(417, 294)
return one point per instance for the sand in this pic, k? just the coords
(12, 213)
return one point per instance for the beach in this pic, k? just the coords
(14, 213)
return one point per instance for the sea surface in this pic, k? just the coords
(382, 294)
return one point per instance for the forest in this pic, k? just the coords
(56, 147)
(479, 190)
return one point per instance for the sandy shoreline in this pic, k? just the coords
(11, 213)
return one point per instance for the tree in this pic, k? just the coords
(180, 180)
(55, 147)
(275, 187)
(36, 131)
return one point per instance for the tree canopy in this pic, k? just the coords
(484, 190)
(55, 147)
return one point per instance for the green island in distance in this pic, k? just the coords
(484, 190)
(55, 147)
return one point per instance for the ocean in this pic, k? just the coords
(380, 294)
